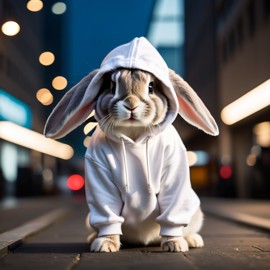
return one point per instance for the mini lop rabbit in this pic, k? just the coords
(137, 174)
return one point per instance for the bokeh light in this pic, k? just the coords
(34, 5)
(75, 182)
(192, 158)
(46, 58)
(86, 141)
(225, 172)
(90, 126)
(262, 133)
(44, 96)
(59, 83)
(59, 8)
(10, 28)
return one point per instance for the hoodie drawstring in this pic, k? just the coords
(126, 180)
(148, 167)
(126, 175)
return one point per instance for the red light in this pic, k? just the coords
(75, 182)
(225, 172)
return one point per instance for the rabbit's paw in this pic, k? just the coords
(194, 240)
(110, 243)
(174, 244)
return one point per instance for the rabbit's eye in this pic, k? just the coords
(113, 87)
(151, 88)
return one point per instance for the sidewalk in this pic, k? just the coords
(255, 213)
(62, 245)
(14, 212)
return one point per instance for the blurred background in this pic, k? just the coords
(221, 47)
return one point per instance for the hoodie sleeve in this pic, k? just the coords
(103, 199)
(177, 200)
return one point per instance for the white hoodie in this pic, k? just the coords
(139, 188)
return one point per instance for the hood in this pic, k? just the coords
(138, 54)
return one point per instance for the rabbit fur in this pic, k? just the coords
(137, 176)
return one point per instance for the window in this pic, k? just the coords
(166, 32)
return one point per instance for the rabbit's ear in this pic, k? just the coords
(72, 110)
(191, 108)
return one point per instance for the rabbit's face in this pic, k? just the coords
(130, 98)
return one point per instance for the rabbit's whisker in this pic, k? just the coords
(107, 123)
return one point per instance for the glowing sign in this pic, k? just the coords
(14, 110)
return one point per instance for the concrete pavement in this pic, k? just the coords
(255, 213)
(61, 244)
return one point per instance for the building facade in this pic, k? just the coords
(24, 171)
(239, 32)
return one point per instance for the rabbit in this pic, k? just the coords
(137, 176)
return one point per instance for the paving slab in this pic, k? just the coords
(136, 259)
(228, 245)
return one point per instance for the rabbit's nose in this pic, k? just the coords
(130, 108)
(131, 103)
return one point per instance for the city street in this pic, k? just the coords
(50, 234)
(93, 95)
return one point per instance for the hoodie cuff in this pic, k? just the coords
(171, 231)
(109, 229)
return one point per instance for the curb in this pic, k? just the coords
(11, 239)
(233, 211)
